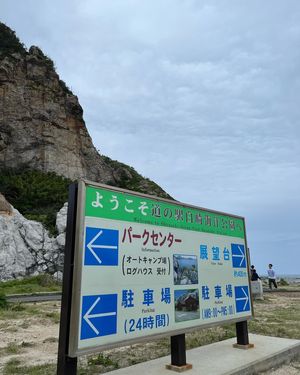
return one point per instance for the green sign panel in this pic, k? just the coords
(127, 207)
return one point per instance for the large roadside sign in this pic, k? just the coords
(146, 267)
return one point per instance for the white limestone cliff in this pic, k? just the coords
(26, 248)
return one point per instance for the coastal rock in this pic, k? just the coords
(61, 239)
(58, 276)
(61, 219)
(26, 248)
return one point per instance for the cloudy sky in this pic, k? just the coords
(200, 96)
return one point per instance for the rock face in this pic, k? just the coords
(41, 122)
(5, 207)
(26, 247)
(42, 128)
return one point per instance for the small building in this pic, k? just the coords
(188, 301)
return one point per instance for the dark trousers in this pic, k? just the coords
(272, 281)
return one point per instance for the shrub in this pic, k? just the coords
(283, 282)
(9, 42)
(130, 179)
(37, 195)
(3, 302)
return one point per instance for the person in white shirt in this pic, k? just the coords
(271, 277)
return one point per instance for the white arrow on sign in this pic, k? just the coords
(91, 246)
(242, 255)
(88, 316)
(246, 298)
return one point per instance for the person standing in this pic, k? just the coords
(254, 275)
(272, 277)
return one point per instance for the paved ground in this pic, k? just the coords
(222, 359)
(41, 297)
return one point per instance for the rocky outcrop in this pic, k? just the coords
(26, 248)
(42, 122)
(5, 207)
(42, 126)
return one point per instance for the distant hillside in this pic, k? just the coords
(42, 126)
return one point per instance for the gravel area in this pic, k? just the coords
(291, 369)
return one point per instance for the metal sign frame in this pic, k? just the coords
(73, 350)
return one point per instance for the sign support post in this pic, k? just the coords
(242, 336)
(178, 354)
(66, 364)
(242, 333)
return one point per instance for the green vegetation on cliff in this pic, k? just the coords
(37, 195)
(129, 178)
(9, 42)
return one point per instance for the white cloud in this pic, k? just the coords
(200, 96)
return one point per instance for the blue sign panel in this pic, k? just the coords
(99, 316)
(242, 299)
(238, 255)
(101, 247)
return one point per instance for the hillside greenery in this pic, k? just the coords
(9, 42)
(37, 195)
(130, 179)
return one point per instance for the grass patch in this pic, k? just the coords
(277, 321)
(99, 364)
(12, 348)
(207, 336)
(3, 301)
(34, 284)
(50, 340)
(18, 311)
(27, 310)
(102, 360)
(26, 344)
(14, 367)
(54, 316)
